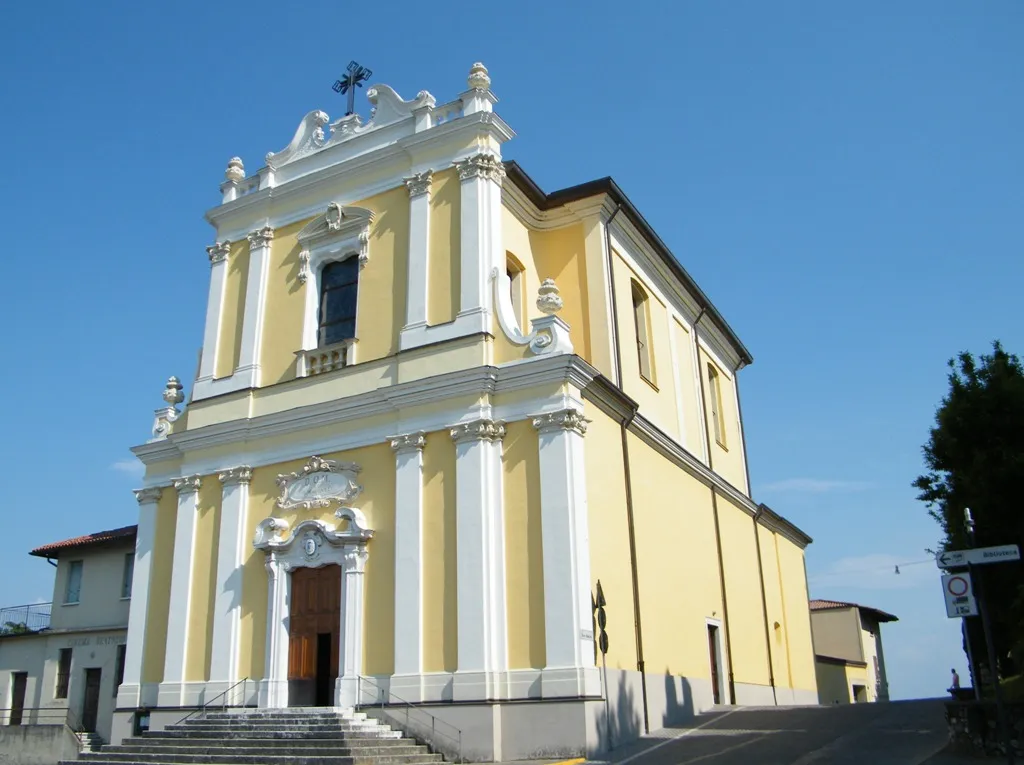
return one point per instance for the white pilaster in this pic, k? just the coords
(227, 607)
(480, 229)
(128, 693)
(482, 650)
(172, 689)
(566, 554)
(346, 690)
(214, 309)
(273, 688)
(419, 249)
(255, 305)
(409, 559)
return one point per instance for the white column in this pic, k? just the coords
(255, 304)
(214, 309)
(565, 542)
(130, 690)
(273, 688)
(419, 249)
(480, 541)
(409, 565)
(480, 229)
(350, 668)
(172, 689)
(227, 606)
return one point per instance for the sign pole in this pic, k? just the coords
(979, 594)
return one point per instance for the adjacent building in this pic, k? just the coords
(63, 661)
(849, 660)
(436, 407)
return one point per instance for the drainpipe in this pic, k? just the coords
(764, 603)
(627, 477)
(714, 511)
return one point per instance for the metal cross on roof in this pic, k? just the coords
(354, 77)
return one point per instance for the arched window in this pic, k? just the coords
(715, 394)
(642, 324)
(516, 279)
(339, 283)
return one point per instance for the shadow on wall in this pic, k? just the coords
(621, 721)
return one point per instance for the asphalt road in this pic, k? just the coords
(896, 733)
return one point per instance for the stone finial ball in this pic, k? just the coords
(478, 79)
(236, 170)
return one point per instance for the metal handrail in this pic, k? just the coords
(43, 716)
(223, 697)
(384, 697)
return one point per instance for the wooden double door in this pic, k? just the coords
(314, 635)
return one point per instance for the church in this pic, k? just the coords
(460, 443)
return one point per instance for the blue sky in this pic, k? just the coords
(842, 179)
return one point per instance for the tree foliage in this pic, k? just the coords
(975, 459)
(14, 628)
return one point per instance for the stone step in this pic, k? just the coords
(276, 734)
(325, 742)
(223, 758)
(299, 749)
(325, 728)
(291, 713)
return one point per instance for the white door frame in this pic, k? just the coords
(313, 544)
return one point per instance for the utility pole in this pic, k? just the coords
(986, 626)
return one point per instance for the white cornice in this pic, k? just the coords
(478, 381)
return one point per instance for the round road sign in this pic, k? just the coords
(958, 586)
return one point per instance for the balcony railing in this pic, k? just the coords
(326, 359)
(21, 620)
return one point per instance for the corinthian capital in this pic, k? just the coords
(410, 442)
(238, 475)
(187, 484)
(218, 252)
(261, 237)
(419, 184)
(478, 430)
(151, 494)
(566, 419)
(485, 166)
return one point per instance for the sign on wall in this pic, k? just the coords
(318, 484)
(959, 595)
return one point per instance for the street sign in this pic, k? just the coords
(977, 556)
(959, 595)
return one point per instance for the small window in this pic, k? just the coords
(642, 324)
(339, 284)
(63, 673)
(715, 390)
(119, 668)
(73, 591)
(129, 571)
(516, 281)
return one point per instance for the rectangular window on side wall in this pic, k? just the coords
(63, 674)
(119, 668)
(129, 572)
(715, 396)
(73, 589)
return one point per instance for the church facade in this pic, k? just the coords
(440, 417)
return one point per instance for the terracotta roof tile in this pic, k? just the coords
(825, 605)
(54, 549)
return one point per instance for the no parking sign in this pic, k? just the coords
(959, 595)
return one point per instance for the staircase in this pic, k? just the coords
(294, 736)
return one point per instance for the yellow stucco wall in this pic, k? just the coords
(776, 609)
(230, 345)
(677, 564)
(380, 311)
(160, 588)
(746, 624)
(444, 270)
(609, 534)
(726, 459)
(657, 397)
(832, 683)
(798, 620)
(440, 583)
(524, 561)
(204, 580)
